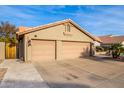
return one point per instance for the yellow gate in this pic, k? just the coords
(10, 51)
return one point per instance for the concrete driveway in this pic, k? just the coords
(21, 75)
(93, 72)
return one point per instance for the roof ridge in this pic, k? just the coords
(111, 35)
(51, 23)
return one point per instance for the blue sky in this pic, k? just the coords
(98, 20)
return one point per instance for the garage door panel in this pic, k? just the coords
(75, 49)
(43, 50)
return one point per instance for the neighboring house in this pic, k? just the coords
(97, 42)
(55, 41)
(108, 40)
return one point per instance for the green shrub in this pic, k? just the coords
(117, 50)
(99, 49)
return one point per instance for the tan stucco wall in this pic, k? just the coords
(21, 49)
(54, 33)
(2, 50)
(27, 48)
(58, 50)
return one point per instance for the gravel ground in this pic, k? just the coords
(2, 73)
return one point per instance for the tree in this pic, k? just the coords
(8, 32)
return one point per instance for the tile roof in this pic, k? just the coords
(98, 39)
(112, 39)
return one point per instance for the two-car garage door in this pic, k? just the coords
(43, 50)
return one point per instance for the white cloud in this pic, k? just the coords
(96, 19)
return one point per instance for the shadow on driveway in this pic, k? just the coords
(35, 84)
(103, 58)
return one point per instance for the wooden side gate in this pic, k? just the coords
(10, 51)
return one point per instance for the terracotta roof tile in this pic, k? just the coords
(112, 39)
(98, 39)
(23, 28)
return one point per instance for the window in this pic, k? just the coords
(68, 28)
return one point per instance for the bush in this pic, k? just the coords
(99, 49)
(122, 49)
(2, 39)
(117, 49)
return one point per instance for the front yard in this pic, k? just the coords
(2, 72)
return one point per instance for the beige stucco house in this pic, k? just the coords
(55, 41)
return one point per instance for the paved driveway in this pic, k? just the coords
(21, 75)
(94, 72)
